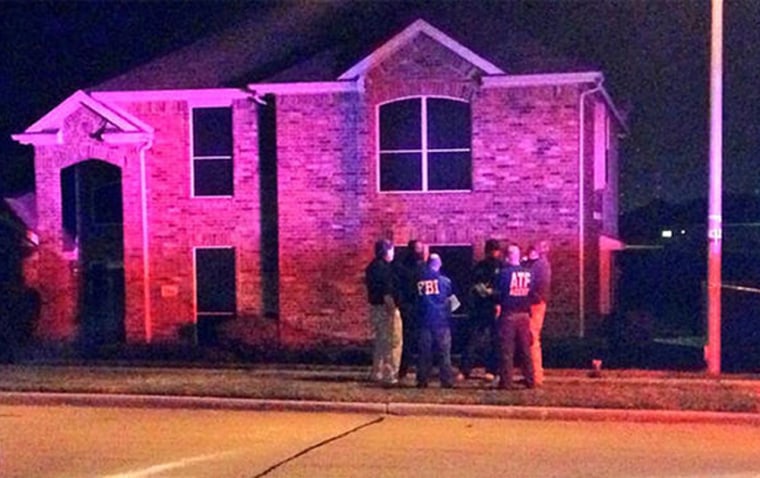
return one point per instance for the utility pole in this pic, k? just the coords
(715, 206)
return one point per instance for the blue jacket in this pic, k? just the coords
(516, 289)
(433, 292)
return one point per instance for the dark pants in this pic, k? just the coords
(514, 335)
(480, 335)
(409, 325)
(440, 337)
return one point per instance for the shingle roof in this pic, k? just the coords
(317, 41)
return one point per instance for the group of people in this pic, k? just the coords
(411, 302)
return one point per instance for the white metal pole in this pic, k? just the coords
(715, 206)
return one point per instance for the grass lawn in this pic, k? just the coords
(570, 388)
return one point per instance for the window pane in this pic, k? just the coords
(212, 132)
(215, 279)
(448, 124)
(212, 177)
(400, 124)
(449, 171)
(401, 172)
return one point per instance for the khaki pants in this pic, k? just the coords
(386, 355)
(537, 314)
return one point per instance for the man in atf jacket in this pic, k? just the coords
(434, 292)
(516, 292)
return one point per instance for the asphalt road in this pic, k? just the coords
(139, 443)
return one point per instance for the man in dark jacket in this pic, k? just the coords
(516, 291)
(479, 329)
(382, 295)
(434, 294)
(409, 270)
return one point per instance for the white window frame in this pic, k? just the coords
(193, 158)
(424, 146)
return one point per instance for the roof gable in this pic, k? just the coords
(407, 35)
(119, 125)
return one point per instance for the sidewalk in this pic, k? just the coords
(567, 394)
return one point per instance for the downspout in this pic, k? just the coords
(148, 324)
(581, 206)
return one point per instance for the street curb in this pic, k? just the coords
(390, 408)
(191, 402)
(574, 414)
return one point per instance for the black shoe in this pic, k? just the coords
(447, 385)
(422, 385)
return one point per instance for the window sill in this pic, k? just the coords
(437, 191)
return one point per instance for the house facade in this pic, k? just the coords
(249, 213)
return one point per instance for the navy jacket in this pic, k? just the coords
(433, 292)
(516, 289)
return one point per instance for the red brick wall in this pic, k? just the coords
(322, 185)
(525, 188)
(179, 222)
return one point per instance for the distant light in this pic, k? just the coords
(683, 231)
(667, 233)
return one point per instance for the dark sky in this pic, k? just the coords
(654, 54)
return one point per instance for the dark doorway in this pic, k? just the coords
(457, 265)
(93, 225)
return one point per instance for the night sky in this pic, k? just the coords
(654, 55)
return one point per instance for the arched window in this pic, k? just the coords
(425, 145)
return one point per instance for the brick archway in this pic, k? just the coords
(93, 235)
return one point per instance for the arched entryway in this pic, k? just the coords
(93, 230)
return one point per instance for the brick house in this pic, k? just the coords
(189, 209)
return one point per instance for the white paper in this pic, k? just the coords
(454, 301)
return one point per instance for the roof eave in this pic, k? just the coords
(555, 79)
(39, 139)
(419, 26)
(48, 129)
